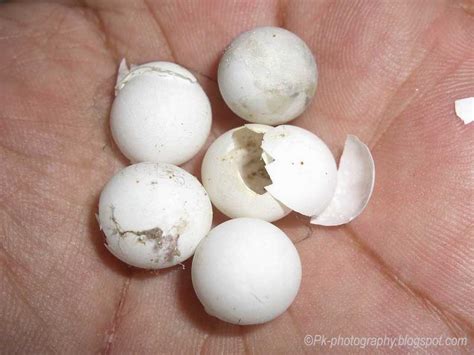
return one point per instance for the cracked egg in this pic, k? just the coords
(266, 172)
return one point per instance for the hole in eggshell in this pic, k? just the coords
(248, 157)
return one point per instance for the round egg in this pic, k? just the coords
(154, 215)
(267, 75)
(160, 113)
(246, 271)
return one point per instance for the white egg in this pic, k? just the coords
(265, 172)
(267, 75)
(154, 215)
(355, 183)
(160, 113)
(246, 271)
(234, 175)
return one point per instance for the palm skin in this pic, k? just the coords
(389, 73)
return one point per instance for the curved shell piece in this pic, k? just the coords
(301, 167)
(355, 183)
(465, 109)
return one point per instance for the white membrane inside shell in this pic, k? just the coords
(301, 167)
(355, 182)
(465, 109)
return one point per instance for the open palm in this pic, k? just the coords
(389, 73)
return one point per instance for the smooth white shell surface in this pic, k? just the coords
(267, 75)
(465, 109)
(246, 271)
(301, 167)
(160, 113)
(355, 183)
(154, 215)
(224, 183)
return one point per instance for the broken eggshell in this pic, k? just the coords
(465, 109)
(154, 215)
(267, 75)
(301, 167)
(234, 175)
(265, 172)
(160, 113)
(355, 183)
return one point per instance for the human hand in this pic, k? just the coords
(389, 73)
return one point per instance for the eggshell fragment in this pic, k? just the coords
(160, 113)
(267, 75)
(465, 109)
(246, 271)
(154, 215)
(355, 183)
(234, 175)
(123, 71)
(301, 167)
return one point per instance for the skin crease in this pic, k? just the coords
(390, 72)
